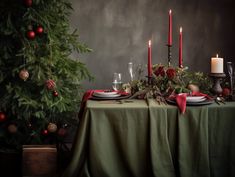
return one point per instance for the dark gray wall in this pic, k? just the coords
(118, 31)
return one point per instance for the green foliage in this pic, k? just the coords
(47, 56)
(168, 80)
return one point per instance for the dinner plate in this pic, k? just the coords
(195, 99)
(106, 93)
(97, 94)
(201, 103)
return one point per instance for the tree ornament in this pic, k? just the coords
(52, 127)
(28, 3)
(31, 34)
(24, 74)
(45, 132)
(62, 132)
(170, 73)
(55, 93)
(39, 30)
(12, 128)
(2, 117)
(50, 84)
(160, 71)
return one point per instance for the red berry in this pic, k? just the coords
(31, 34)
(225, 92)
(28, 3)
(2, 117)
(39, 30)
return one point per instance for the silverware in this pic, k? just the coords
(217, 102)
(124, 101)
(220, 100)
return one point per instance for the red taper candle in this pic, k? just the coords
(170, 29)
(181, 48)
(149, 58)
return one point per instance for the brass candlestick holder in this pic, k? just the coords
(217, 78)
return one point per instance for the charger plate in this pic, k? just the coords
(93, 97)
(201, 103)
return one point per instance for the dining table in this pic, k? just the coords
(145, 138)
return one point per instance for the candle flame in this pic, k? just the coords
(170, 11)
(181, 29)
(150, 43)
(217, 55)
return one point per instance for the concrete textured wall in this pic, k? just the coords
(118, 31)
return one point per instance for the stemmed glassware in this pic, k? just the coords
(130, 70)
(139, 71)
(230, 73)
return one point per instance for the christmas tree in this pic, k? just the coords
(40, 85)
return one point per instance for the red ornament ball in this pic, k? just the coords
(28, 3)
(24, 74)
(62, 132)
(171, 73)
(52, 128)
(160, 71)
(55, 93)
(2, 117)
(50, 84)
(39, 30)
(12, 128)
(45, 132)
(226, 92)
(31, 34)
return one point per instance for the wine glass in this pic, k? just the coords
(230, 73)
(130, 70)
(117, 81)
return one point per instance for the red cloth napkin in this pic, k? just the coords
(85, 97)
(181, 99)
(200, 94)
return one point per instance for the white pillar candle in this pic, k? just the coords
(217, 65)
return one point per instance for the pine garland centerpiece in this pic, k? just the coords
(167, 80)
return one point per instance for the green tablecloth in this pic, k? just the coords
(144, 139)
